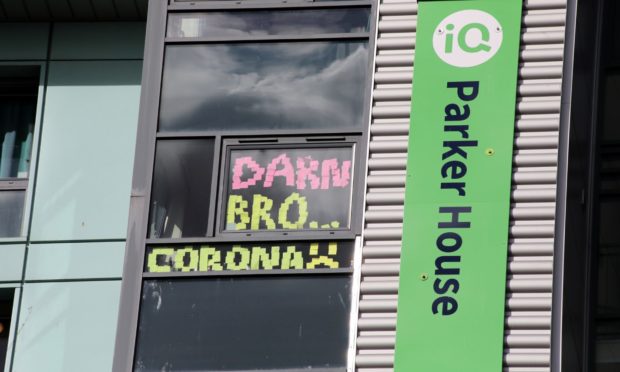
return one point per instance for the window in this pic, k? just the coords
(181, 193)
(253, 211)
(18, 103)
(250, 86)
(590, 297)
(254, 255)
(6, 309)
(606, 327)
(244, 324)
(291, 187)
(270, 22)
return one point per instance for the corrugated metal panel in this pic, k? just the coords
(72, 10)
(529, 283)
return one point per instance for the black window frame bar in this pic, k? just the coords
(148, 134)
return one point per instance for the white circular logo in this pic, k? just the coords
(467, 38)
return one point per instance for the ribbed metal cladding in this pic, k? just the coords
(528, 300)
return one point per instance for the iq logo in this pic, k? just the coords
(467, 38)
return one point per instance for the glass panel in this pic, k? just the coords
(18, 106)
(11, 212)
(611, 114)
(288, 189)
(181, 188)
(6, 308)
(269, 22)
(608, 301)
(244, 324)
(606, 323)
(610, 169)
(251, 256)
(243, 86)
(17, 117)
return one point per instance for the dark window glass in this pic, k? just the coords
(181, 188)
(288, 189)
(17, 117)
(6, 308)
(269, 22)
(611, 114)
(608, 298)
(606, 314)
(261, 1)
(244, 324)
(18, 102)
(296, 85)
(11, 212)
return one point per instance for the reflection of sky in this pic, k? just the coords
(258, 23)
(264, 85)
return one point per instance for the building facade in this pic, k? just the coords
(220, 186)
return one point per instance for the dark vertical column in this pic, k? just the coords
(138, 213)
(570, 344)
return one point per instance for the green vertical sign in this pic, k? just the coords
(455, 235)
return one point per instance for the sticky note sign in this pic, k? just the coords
(289, 188)
(256, 256)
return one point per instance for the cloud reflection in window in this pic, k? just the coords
(291, 85)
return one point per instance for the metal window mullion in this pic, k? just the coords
(247, 273)
(349, 131)
(18, 184)
(268, 38)
(127, 326)
(213, 198)
(206, 5)
(236, 237)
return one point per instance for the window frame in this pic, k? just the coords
(231, 144)
(321, 271)
(205, 6)
(214, 186)
(349, 326)
(149, 134)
